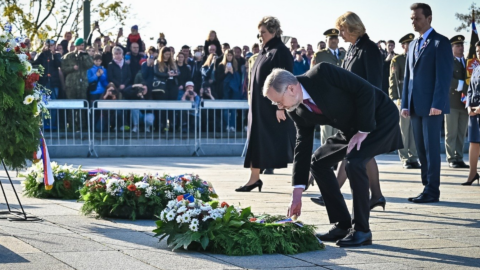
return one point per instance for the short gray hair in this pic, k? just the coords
(279, 79)
(272, 24)
(117, 48)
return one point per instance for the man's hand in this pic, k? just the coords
(122, 86)
(471, 111)
(295, 207)
(405, 113)
(75, 67)
(357, 140)
(434, 111)
(281, 115)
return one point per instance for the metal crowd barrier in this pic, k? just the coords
(222, 123)
(148, 128)
(138, 127)
(68, 125)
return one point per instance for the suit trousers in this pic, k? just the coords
(409, 153)
(426, 130)
(326, 131)
(337, 210)
(456, 124)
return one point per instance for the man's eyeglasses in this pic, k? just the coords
(283, 94)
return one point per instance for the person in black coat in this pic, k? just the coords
(271, 136)
(212, 39)
(118, 71)
(368, 126)
(364, 59)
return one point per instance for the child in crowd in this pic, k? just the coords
(134, 36)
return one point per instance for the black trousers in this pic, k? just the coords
(321, 169)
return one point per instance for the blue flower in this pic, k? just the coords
(7, 27)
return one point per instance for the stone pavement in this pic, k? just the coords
(444, 235)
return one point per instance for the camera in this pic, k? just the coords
(139, 91)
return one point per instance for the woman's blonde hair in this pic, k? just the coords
(209, 61)
(352, 23)
(272, 24)
(234, 61)
(161, 62)
(209, 33)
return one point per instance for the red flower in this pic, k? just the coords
(132, 187)
(224, 204)
(253, 219)
(67, 184)
(23, 45)
(138, 193)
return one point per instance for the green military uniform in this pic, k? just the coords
(335, 58)
(408, 154)
(76, 82)
(456, 122)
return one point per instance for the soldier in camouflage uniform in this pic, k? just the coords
(408, 155)
(331, 55)
(75, 66)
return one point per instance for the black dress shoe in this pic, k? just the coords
(407, 165)
(462, 165)
(356, 239)
(268, 171)
(411, 198)
(381, 202)
(258, 184)
(415, 165)
(453, 165)
(333, 235)
(318, 200)
(425, 198)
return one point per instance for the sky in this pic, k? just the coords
(189, 21)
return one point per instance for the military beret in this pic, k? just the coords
(79, 41)
(457, 39)
(407, 38)
(331, 33)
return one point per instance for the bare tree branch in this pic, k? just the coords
(48, 15)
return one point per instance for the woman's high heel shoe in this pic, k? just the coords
(258, 184)
(470, 182)
(380, 202)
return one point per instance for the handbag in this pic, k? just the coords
(92, 86)
(158, 85)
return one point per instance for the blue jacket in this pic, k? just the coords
(299, 68)
(427, 80)
(102, 80)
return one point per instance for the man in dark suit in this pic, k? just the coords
(456, 122)
(425, 96)
(368, 121)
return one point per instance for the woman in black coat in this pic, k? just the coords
(365, 60)
(118, 71)
(212, 39)
(271, 134)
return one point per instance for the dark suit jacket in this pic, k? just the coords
(427, 80)
(365, 60)
(363, 108)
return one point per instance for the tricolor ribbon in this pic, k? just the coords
(42, 153)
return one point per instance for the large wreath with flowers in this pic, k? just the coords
(68, 181)
(219, 228)
(21, 101)
(139, 196)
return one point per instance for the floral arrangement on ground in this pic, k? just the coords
(220, 228)
(139, 196)
(68, 181)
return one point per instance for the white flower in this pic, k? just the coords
(3, 38)
(191, 205)
(171, 204)
(28, 99)
(21, 56)
(193, 227)
(142, 185)
(179, 219)
(205, 218)
(12, 43)
(186, 218)
(206, 208)
(39, 178)
(178, 189)
(171, 215)
(28, 67)
(181, 209)
(162, 216)
(194, 221)
(148, 192)
(169, 194)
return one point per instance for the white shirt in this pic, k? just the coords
(424, 36)
(460, 82)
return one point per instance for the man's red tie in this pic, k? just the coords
(312, 106)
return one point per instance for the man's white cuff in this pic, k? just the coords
(460, 85)
(300, 186)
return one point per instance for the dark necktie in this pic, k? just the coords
(336, 54)
(312, 106)
(417, 48)
(463, 62)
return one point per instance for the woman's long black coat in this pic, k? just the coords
(270, 143)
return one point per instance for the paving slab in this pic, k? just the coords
(31, 261)
(179, 260)
(62, 243)
(263, 261)
(101, 260)
(126, 240)
(14, 245)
